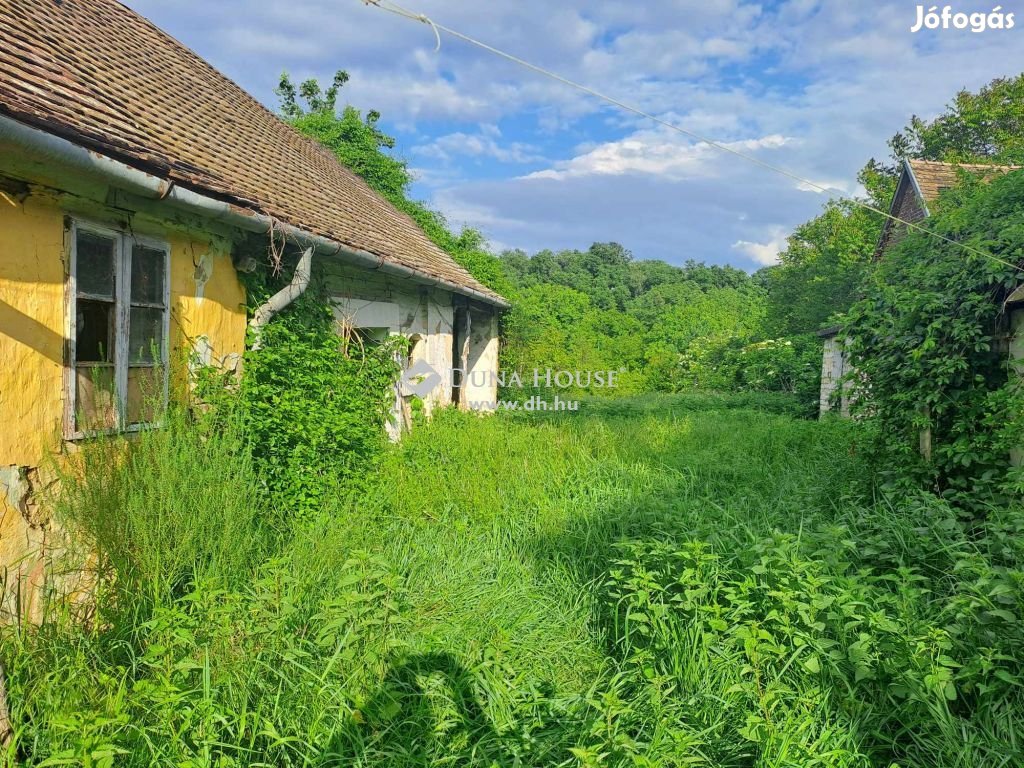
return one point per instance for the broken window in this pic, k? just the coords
(118, 339)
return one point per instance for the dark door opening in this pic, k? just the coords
(460, 336)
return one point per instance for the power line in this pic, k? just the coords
(391, 7)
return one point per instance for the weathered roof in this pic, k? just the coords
(925, 180)
(932, 177)
(100, 75)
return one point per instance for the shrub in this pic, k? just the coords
(926, 343)
(313, 402)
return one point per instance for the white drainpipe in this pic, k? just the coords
(284, 297)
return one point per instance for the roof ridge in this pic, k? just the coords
(949, 164)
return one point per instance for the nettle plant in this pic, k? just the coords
(930, 344)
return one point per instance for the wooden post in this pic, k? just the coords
(925, 436)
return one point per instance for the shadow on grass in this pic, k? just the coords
(431, 709)
(428, 711)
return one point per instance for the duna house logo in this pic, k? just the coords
(420, 379)
(948, 18)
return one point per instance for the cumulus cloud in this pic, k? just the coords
(657, 153)
(766, 253)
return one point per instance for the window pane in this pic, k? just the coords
(145, 335)
(145, 394)
(147, 275)
(95, 404)
(94, 264)
(94, 331)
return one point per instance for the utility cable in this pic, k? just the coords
(391, 7)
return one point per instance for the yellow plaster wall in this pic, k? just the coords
(31, 328)
(32, 356)
(32, 318)
(214, 310)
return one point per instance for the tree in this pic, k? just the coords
(361, 145)
(820, 271)
(987, 126)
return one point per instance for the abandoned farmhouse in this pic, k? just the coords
(920, 185)
(136, 182)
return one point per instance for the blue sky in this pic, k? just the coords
(816, 86)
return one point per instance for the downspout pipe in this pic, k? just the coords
(281, 299)
(45, 146)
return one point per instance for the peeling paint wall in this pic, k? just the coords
(32, 323)
(421, 313)
(834, 366)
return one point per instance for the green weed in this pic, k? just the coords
(667, 581)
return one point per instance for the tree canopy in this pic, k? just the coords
(360, 144)
(827, 258)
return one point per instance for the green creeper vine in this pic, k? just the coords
(929, 341)
(312, 400)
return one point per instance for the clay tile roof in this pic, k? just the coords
(100, 75)
(932, 177)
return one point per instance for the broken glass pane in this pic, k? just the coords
(145, 335)
(95, 404)
(145, 394)
(94, 263)
(147, 275)
(94, 331)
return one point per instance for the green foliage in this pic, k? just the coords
(600, 310)
(557, 328)
(312, 402)
(174, 506)
(820, 272)
(789, 365)
(363, 147)
(830, 256)
(673, 580)
(927, 339)
(986, 125)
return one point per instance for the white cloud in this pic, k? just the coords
(657, 153)
(766, 253)
(487, 143)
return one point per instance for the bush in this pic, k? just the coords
(313, 401)
(791, 365)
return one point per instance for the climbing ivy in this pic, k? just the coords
(313, 400)
(929, 343)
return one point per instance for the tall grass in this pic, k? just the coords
(168, 508)
(664, 581)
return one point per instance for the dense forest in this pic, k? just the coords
(674, 328)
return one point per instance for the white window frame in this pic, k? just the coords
(123, 242)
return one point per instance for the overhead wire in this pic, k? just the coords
(437, 28)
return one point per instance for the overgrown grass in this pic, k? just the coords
(667, 581)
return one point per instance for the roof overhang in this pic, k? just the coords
(44, 146)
